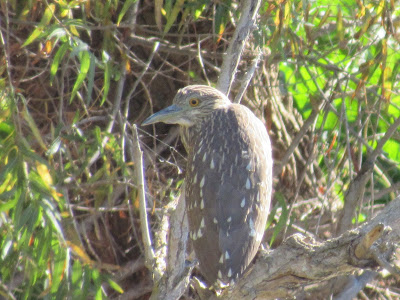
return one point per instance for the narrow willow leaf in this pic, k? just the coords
(48, 14)
(85, 65)
(91, 74)
(115, 286)
(35, 130)
(57, 60)
(125, 7)
(107, 80)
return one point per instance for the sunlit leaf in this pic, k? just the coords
(115, 286)
(280, 226)
(57, 60)
(124, 9)
(80, 252)
(48, 14)
(35, 130)
(85, 65)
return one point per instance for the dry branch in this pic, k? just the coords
(236, 45)
(144, 224)
(176, 278)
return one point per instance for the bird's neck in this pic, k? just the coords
(188, 133)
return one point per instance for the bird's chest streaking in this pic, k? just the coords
(228, 191)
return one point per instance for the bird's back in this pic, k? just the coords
(228, 190)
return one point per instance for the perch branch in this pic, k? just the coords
(176, 278)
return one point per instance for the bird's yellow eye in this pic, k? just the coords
(194, 102)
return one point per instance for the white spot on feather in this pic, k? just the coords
(219, 274)
(202, 223)
(251, 223)
(229, 219)
(212, 166)
(242, 204)
(248, 184)
(204, 157)
(202, 203)
(230, 272)
(248, 167)
(202, 182)
(221, 259)
(215, 221)
(252, 230)
(227, 255)
(199, 233)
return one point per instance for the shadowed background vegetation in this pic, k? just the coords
(75, 76)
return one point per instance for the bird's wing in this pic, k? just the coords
(228, 192)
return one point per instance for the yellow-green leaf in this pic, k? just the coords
(48, 14)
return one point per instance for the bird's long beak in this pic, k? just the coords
(167, 115)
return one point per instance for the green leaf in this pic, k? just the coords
(107, 77)
(115, 286)
(50, 210)
(124, 9)
(56, 61)
(58, 33)
(91, 74)
(55, 146)
(48, 14)
(35, 130)
(85, 65)
(282, 220)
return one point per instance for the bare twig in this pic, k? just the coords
(295, 142)
(357, 186)
(236, 45)
(248, 76)
(144, 224)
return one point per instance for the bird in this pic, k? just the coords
(228, 179)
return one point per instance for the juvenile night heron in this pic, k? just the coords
(228, 179)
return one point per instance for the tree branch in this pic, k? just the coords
(144, 224)
(236, 46)
(176, 278)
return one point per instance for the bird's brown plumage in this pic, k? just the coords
(228, 181)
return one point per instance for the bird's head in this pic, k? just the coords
(190, 105)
